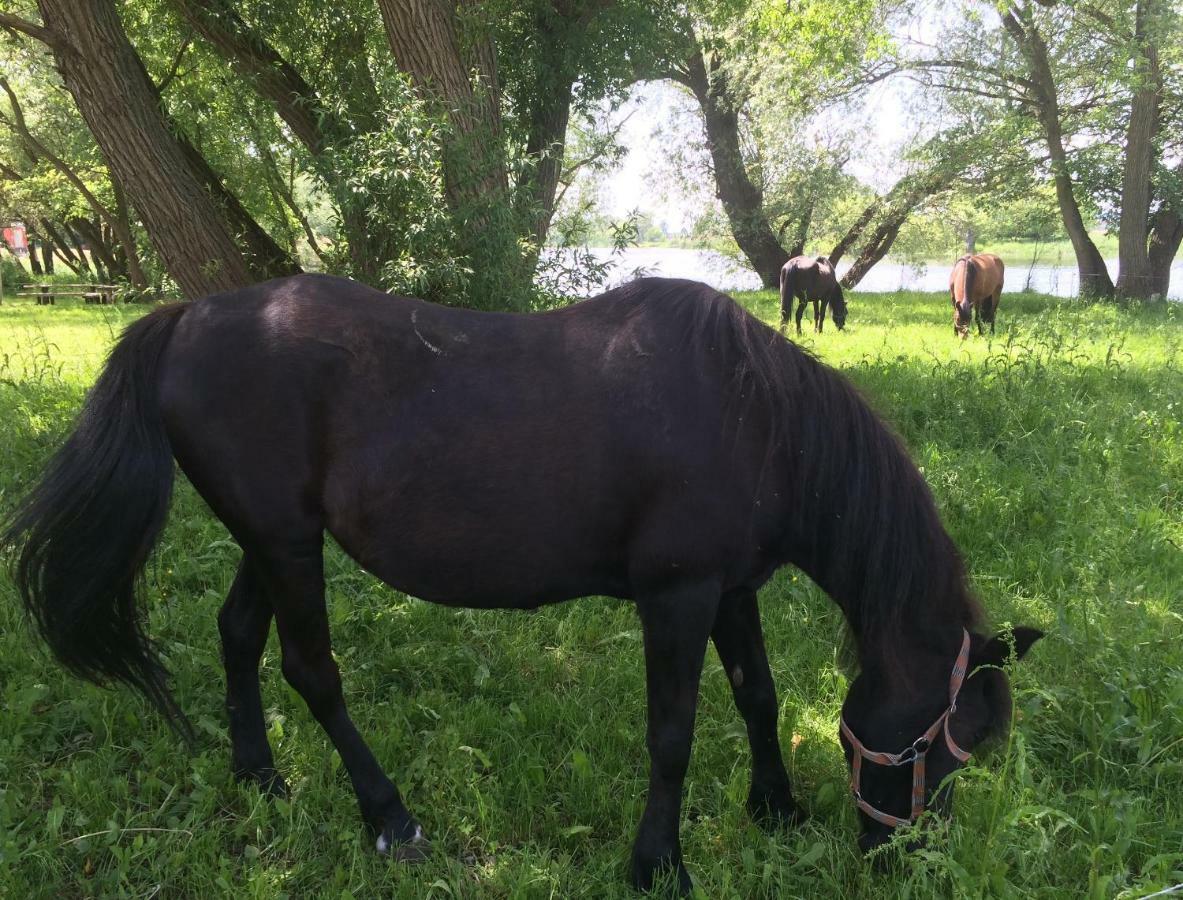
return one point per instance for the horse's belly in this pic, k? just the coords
(506, 542)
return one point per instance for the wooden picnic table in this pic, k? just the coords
(47, 294)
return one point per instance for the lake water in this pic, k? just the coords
(726, 274)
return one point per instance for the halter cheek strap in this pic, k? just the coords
(915, 754)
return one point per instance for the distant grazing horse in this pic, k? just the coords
(808, 278)
(976, 281)
(656, 444)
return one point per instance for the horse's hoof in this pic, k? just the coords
(661, 877)
(268, 781)
(772, 811)
(413, 850)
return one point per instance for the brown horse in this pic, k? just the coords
(813, 279)
(976, 281)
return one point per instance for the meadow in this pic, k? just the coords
(1055, 450)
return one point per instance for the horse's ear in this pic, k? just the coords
(996, 650)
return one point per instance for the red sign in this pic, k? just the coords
(16, 239)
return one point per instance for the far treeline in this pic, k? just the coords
(435, 147)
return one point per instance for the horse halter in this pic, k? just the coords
(915, 754)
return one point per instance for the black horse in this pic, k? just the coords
(655, 443)
(811, 278)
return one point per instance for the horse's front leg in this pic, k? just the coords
(676, 622)
(740, 643)
(978, 318)
(819, 318)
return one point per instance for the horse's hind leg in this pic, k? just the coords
(801, 301)
(740, 643)
(244, 621)
(295, 577)
(676, 623)
(978, 316)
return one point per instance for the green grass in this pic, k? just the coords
(1056, 454)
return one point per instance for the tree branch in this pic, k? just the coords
(261, 64)
(176, 66)
(47, 36)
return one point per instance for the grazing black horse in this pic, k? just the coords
(811, 278)
(655, 443)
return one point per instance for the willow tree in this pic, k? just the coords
(1094, 90)
(759, 71)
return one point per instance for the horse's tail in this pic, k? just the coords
(787, 284)
(87, 527)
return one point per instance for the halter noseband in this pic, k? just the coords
(915, 754)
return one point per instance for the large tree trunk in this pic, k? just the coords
(107, 79)
(449, 56)
(1094, 276)
(1134, 279)
(743, 201)
(545, 146)
(428, 46)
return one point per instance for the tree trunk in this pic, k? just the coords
(89, 262)
(545, 146)
(1165, 238)
(427, 45)
(46, 244)
(895, 207)
(441, 45)
(743, 201)
(121, 225)
(34, 262)
(877, 247)
(104, 259)
(1134, 278)
(854, 232)
(1094, 276)
(107, 79)
(62, 247)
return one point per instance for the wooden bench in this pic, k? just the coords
(47, 294)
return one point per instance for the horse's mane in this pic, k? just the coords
(864, 525)
(969, 272)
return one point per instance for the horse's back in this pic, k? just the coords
(809, 276)
(993, 270)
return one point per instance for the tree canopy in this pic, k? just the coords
(195, 145)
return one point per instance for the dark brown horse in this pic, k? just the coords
(655, 443)
(975, 283)
(811, 278)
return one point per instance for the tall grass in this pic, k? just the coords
(1056, 453)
